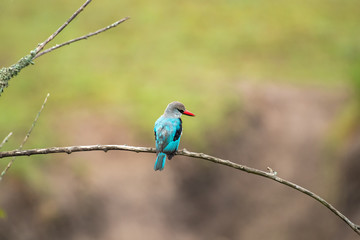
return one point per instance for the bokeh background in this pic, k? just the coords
(273, 83)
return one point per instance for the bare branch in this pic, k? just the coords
(72, 149)
(270, 175)
(25, 138)
(34, 122)
(5, 139)
(81, 38)
(6, 73)
(42, 45)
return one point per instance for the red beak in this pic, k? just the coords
(186, 112)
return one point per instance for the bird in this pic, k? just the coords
(168, 130)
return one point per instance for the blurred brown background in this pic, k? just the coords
(273, 83)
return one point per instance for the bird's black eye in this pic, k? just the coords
(180, 110)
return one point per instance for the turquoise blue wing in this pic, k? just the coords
(167, 134)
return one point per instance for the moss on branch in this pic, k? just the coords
(6, 73)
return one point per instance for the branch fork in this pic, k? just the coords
(6, 73)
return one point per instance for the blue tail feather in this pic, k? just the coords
(160, 161)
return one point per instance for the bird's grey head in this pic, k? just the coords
(174, 109)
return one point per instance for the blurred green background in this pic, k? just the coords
(111, 88)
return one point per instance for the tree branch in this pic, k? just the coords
(270, 175)
(6, 73)
(52, 36)
(25, 138)
(5, 139)
(81, 38)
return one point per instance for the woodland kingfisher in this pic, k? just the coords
(168, 129)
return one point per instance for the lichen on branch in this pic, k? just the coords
(6, 73)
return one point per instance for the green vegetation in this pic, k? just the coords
(193, 51)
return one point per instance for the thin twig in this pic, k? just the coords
(7, 73)
(42, 45)
(34, 122)
(81, 38)
(270, 175)
(5, 139)
(25, 138)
